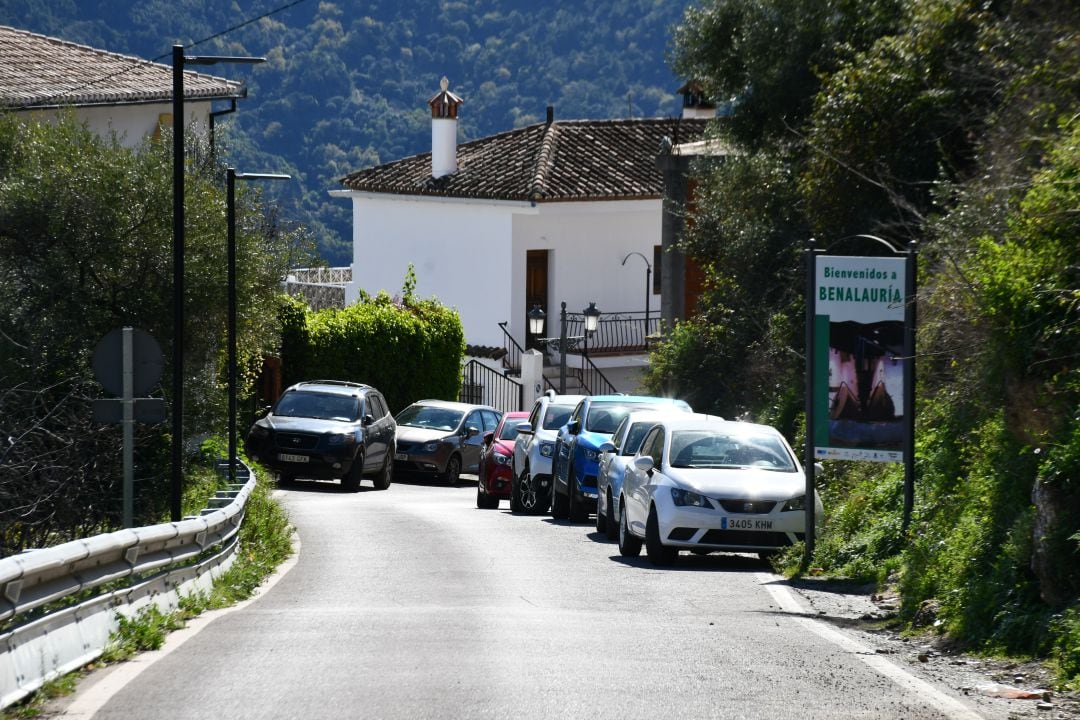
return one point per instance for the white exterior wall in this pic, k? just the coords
(470, 255)
(588, 241)
(131, 122)
(459, 249)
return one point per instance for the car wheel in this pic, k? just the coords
(483, 500)
(453, 470)
(658, 553)
(386, 475)
(515, 499)
(351, 481)
(560, 509)
(629, 545)
(286, 479)
(611, 525)
(601, 518)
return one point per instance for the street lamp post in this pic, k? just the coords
(231, 177)
(179, 60)
(536, 318)
(648, 291)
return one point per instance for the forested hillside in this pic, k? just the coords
(346, 81)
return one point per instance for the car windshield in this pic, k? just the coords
(556, 416)
(428, 416)
(315, 405)
(605, 417)
(509, 429)
(726, 449)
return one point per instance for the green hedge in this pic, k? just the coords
(409, 349)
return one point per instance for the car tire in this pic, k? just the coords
(629, 545)
(601, 518)
(351, 481)
(452, 473)
(657, 552)
(386, 474)
(483, 500)
(286, 479)
(515, 500)
(560, 509)
(611, 524)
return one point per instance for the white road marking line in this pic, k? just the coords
(951, 707)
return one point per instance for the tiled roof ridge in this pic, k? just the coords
(548, 146)
(130, 63)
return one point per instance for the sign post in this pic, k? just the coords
(860, 387)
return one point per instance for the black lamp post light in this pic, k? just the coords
(648, 292)
(179, 60)
(536, 318)
(231, 177)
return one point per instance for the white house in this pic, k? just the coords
(561, 211)
(41, 76)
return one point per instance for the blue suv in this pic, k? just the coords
(577, 448)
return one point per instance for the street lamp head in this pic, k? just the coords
(648, 265)
(592, 317)
(536, 320)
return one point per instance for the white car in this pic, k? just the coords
(712, 485)
(530, 486)
(616, 455)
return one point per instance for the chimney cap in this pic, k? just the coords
(444, 104)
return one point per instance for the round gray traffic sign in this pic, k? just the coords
(108, 361)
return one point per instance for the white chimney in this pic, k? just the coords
(695, 103)
(444, 108)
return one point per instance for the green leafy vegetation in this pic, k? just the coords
(408, 348)
(86, 247)
(952, 124)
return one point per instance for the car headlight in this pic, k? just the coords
(342, 440)
(683, 498)
(547, 449)
(502, 459)
(430, 447)
(795, 503)
(592, 455)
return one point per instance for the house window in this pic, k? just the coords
(657, 258)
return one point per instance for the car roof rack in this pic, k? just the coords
(342, 383)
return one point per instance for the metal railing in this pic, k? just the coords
(59, 605)
(616, 333)
(594, 381)
(321, 287)
(512, 359)
(481, 384)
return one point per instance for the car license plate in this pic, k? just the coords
(401, 456)
(745, 524)
(286, 457)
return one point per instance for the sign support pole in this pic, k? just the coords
(808, 455)
(127, 401)
(910, 288)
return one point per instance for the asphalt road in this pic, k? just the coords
(411, 603)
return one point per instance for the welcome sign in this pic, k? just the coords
(858, 381)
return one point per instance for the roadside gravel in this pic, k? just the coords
(865, 614)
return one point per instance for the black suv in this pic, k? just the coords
(327, 429)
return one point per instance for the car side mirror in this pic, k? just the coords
(367, 420)
(574, 428)
(489, 437)
(606, 447)
(819, 469)
(472, 431)
(644, 463)
(524, 428)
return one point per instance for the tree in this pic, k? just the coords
(85, 247)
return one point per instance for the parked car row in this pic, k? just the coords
(336, 430)
(654, 473)
(659, 476)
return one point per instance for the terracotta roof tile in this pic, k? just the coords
(564, 160)
(38, 71)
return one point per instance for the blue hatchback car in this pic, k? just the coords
(575, 464)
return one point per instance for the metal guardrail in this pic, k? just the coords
(481, 384)
(158, 563)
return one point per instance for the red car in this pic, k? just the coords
(496, 461)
